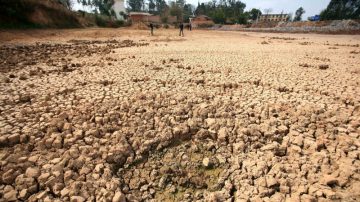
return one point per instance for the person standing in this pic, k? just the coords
(152, 28)
(181, 27)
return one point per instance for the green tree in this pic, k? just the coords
(103, 6)
(135, 5)
(224, 11)
(254, 14)
(298, 14)
(161, 7)
(188, 12)
(152, 6)
(176, 10)
(341, 9)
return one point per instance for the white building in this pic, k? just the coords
(119, 6)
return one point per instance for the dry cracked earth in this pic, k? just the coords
(117, 115)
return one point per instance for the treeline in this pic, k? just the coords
(221, 11)
(179, 8)
(341, 9)
(227, 11)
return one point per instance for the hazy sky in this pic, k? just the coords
(311, 7)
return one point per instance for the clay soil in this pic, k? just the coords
(118, 115)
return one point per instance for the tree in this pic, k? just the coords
(151, 6)
(103, 6)
(224, 11)
(176, 10)
(135, 5)
(298, 14)
(188, 11)
(161, 7)
(341, 9)
(67, 3)
(254, 14)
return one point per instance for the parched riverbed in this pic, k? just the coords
(118, 115)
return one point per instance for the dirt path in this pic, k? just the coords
(115, 114)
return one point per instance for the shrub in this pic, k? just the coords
(101, 22)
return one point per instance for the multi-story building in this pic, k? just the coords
(274, 18)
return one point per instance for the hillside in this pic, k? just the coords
(35, 14)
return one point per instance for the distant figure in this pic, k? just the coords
(152, 29)
(181, 26)
(190, 26)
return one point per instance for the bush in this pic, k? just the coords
(166, 26)
(101, 22)
(105, 21)
(117, 23)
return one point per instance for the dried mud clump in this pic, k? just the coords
(323, 66)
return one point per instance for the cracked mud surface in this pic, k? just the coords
(117, 115)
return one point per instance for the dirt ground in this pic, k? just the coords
(118, 115)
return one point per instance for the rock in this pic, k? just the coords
(25, 98)
(14, 139)
(99, 168)
(64, 192)
(119, 197)
(32, 172)
(163, 181)
(57, 143)
(3, 141)
(330, 180)
(77, 199)
(4, 79)
(207, 163)
(271, 182)
(239, 147)
(78, 134)
(298, 140)
(23, 194)
(323, 67)
(23, 77)
(223, 134)
(43, 178)
(9, 176)
(10, 196)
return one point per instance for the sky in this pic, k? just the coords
(312, 7)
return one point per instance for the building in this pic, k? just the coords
(139, 16)
(274, 18)
(119, 7)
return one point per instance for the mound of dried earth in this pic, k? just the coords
(180, 120)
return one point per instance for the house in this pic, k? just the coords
(119, 7)
(139, 16)
(274, 18)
